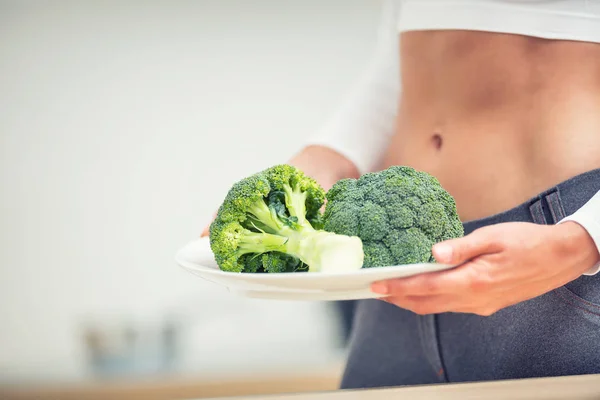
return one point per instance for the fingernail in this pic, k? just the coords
(379, 287)
(443, 252)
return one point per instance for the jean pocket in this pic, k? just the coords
(581, 298)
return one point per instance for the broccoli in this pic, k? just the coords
(399, 213)
(272, 222)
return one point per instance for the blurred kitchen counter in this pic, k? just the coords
(178, 387)
(314, 385)
(583, 387)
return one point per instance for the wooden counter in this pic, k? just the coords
(583, 387)
(180, 387)
(319, 386)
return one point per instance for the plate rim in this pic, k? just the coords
(305, 275)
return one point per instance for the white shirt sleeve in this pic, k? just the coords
(363, 125)
(588, 217)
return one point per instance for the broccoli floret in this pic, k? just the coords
(376, 253)
(372, 222)
(271, 222)
(399, 213)
(344, 216)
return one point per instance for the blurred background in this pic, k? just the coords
(122, 126)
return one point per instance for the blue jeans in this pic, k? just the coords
(555, 334)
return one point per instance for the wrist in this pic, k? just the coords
(577, 241)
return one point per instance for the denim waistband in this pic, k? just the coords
(549, 206)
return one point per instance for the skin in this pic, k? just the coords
(497, 119)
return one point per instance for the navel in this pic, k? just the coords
(437, 141)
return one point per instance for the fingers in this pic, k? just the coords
(430, 284)
(470, 278)
(206, 230)
(460, 250)
(423, 305)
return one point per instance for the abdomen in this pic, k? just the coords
(497, 118)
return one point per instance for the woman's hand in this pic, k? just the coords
(500, 265)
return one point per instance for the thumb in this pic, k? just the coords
(460, 250)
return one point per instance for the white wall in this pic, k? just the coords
(122, 124)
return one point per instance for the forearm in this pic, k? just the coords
(324, 164)
(361, 128)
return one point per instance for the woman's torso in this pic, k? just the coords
(496, 117)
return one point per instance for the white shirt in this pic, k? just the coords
(363, 125)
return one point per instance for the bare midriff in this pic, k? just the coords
(497, 118)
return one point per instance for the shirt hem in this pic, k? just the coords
(497, 18)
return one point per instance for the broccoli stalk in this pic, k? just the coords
(266, 215)
(319, 250)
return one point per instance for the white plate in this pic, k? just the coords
(308, 295)
(197, 258)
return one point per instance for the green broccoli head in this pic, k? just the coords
(271, 222)
(399, 213)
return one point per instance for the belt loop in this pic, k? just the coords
(555, 205)
(537, 213)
